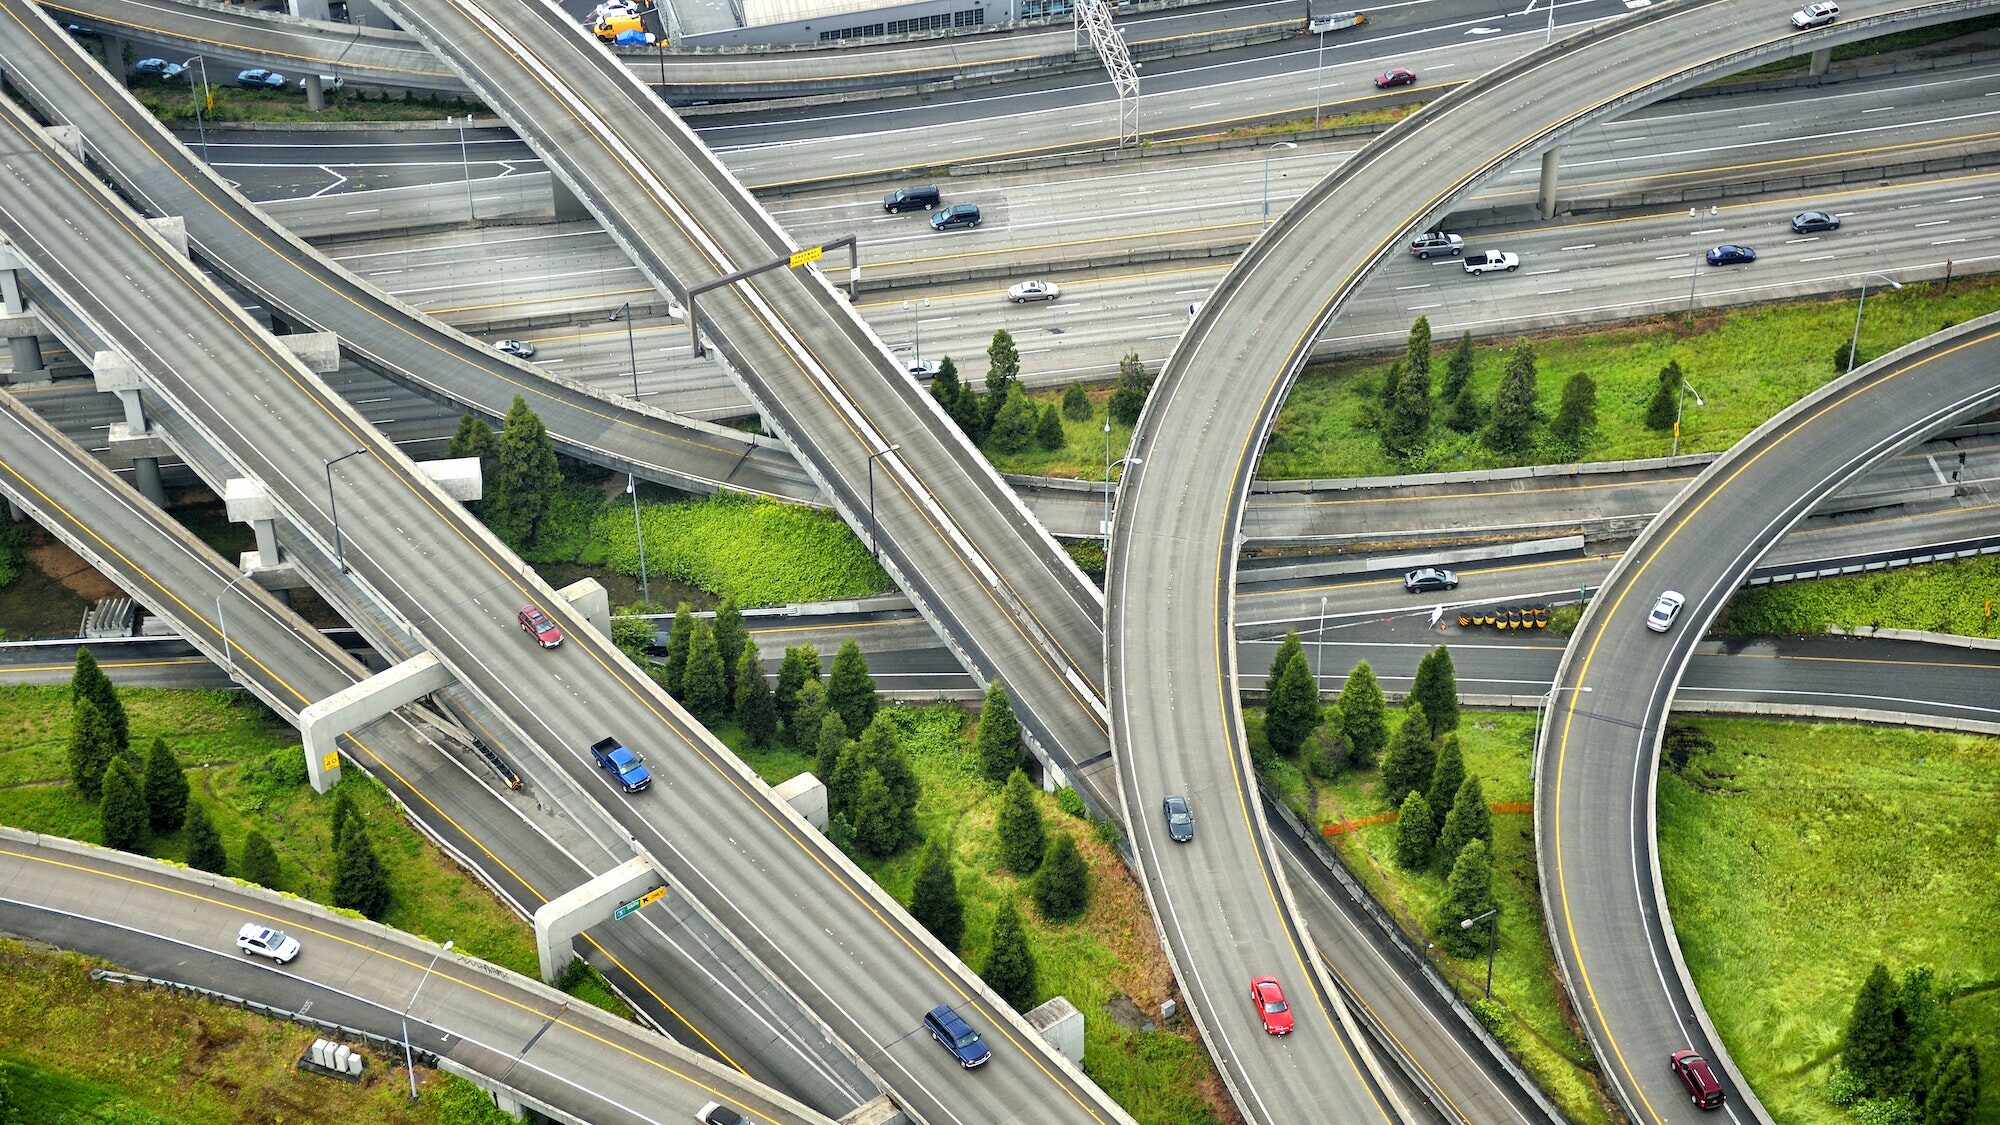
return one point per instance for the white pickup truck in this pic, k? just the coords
(1489, 261)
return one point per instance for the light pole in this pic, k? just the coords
(915, 309)
(222, 625)
(1268, 150)
(1855, 345)
(882, 452)
(1319, 88)
(1680, 396)
(1548, 38)
(1548, 699)
(1492, 919)
(1319, 646)
(410, 1063)
(639, 533)
(624, 312)
(1107, 497)
(333, 502)
(200, 129)
(464, 162)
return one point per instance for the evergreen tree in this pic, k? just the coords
(525, 479)
(1436, 687)
(1407, 402)
(755, 711)
(1952, 1095)
(1916, 1017)
(1062, 886)
(1417, 352)
(1465, 416)
(1446, 777)
(260, 860)
(1411, 760)
(1513, 424)
(1664, 406)
(811, 715)
(703, 689)
(1365, 714)
(1416, 833)
(342, 817)
(473, 438)
(1869, 1049)
(1010, 964)
(999, 742)
(1469, 819)
(1076, 404)
(1385, 396)
(1129, 399)
(1019, 826)
(204, 843)
(881, 748)
(1468, 893)
(1289, 647)
(166, 788)
(674, 668)
(90, 748)
(1049, 434)
(1003, 371)
(801, 663)
(850, 690)
(1293, 709)
(1457, 370)
(1328, 752)
(828, 747)
(122, 810)
(88, 681)
(960, 403)
(730, 637)
(877, 834)
(934, 900)
(359, 883)
(946, 388)
(1011, 426)
(1578, 410)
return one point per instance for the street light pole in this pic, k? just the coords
(624, 312)
(1267, 175)
(1319, 89)
(200, 129)
(1680, 396)
(409, 1063)
(1855, 345)
(333, 502)
(915, 309)
(1107, 497)
(222, 625)
(465, 164)
(1319, 646)
(1548, 38)
(1492, 919)
(873, 553)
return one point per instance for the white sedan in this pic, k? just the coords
(1034, 291)
(1664, 611)
(267, 942)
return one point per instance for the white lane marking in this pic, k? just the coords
(1933, 223)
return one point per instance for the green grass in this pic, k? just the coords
(245, 768)
(78, 1051)
(1082, 454)
(760, 552)
(1747, 363)
(1900, 41)
(1954, 597)
(1528, 1012)
(171, 103)
(1797, 855)
(1160, 1077)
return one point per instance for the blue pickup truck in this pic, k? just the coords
(623, 764)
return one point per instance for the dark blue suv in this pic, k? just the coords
(950, 1029)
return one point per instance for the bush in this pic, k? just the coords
(260, 861)
(1071, 802)
(1022, 839)
(359, 883)
(165, 787)
(999, 739)
(1076, 404)
(934, 898)
(1015, 424)
(1010, 963)
(204, 843)
(1062, 886)
(122, 811)
(754, 550)
(1049, 434)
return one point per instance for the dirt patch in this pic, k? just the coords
(69, 571)
(1127, 1015)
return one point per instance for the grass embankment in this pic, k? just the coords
(75, 1050)
(1953, 597)
(1796, 856)
(1527, 1012)
(1160, 1077)
(1867, 48)
(172, 103)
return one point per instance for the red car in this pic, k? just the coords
(1395, 77)
(1271, 1006)
(539, 626)
(1695, 1074)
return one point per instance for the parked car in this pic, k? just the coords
(257, 78)
(1816, 15)
(1665, 610)
(267, 942)
(1396, 76)
(1180, 819)
(950, 1029)
(156, 68)
(1271, 1006)
(1033, 291)
(715, 1113)
(1489, 261)
(1807, 222)
(1437, 242)
(956, 216)
(519, 349)
(1699, 1078)
(539, 626)
(1729, 254)
(1429, 579)
(615, 8)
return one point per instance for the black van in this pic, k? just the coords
(920, 197)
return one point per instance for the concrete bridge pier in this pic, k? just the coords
(1548, 192)
(115, 375)
(21, 327)
(1821, 60)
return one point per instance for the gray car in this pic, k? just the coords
(1180, 819)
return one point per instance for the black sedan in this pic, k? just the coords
(1807, 222)
(1180, 819)
(156, 68)
(1729, 254)
(1429, 580)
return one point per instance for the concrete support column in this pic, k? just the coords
(354, 707)
(1821, 59)
(115, 375)
(559, 920)
(568, 207)
(246, 501)
(24, 345)
(1548, 195)
(315, 93)
(114, 56)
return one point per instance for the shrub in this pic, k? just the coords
(850, 690)
(1365, 713)
(1049, 434)
(1013, 426)
(1076, 404)
(1071, 802)
(1019, 825)
(359, 883)
(1010, 963)
(1062, 886)
(934, 898)
(260, 861)
(999, 740)
(1416, 833)
(1327, 751)
(122, 810)
(204, 843)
